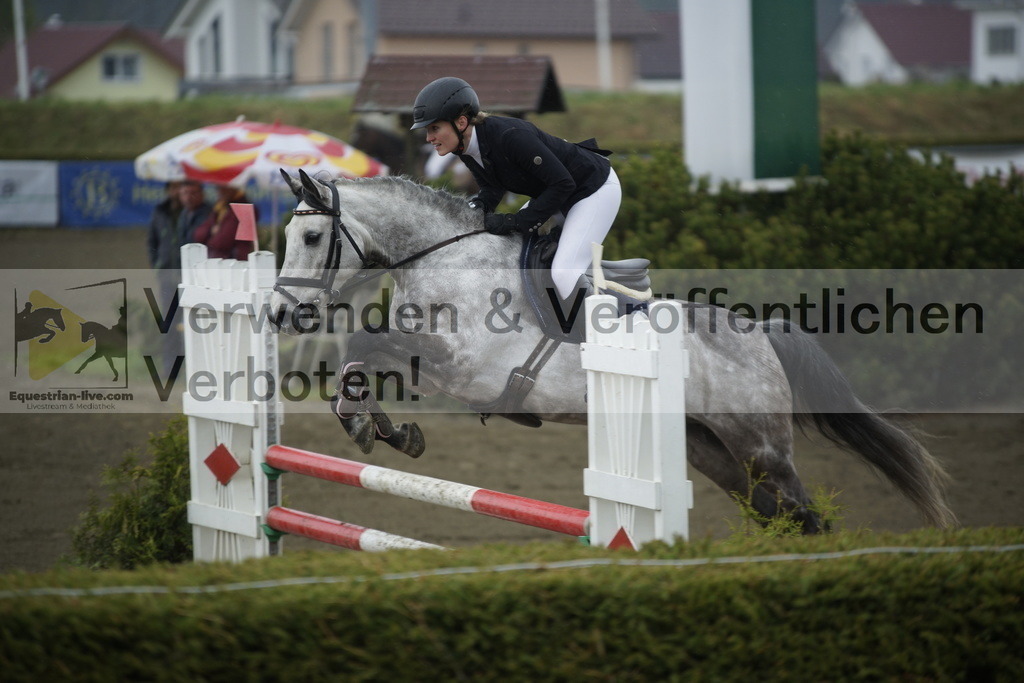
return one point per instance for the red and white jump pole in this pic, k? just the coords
(535, 513)
(342, 534)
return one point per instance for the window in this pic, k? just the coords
(275, 67)
(121, 67)
(1002, 40)
(354, 43)
(215, 46)
(328, 51)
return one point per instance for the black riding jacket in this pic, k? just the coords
(519, 157)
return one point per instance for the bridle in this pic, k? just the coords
(327, 295)
(324, 283)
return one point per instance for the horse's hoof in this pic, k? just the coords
(360, 428)
(415, 444)
(364, 439)
(406, 438)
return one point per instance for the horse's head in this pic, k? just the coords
(321, 252)
(87, 333)
(58, 318)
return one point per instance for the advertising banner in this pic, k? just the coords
(108, 194)
(28, 193)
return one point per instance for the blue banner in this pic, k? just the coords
(107, 194)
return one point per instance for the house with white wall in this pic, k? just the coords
(95, 61)
(324, 45)
(900, 42)
(231, 42)
(997, 33)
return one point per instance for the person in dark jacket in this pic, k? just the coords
(512, 155)
(170, 226)
(194, 211)
(162, 237)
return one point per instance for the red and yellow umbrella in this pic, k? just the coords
(241, 152)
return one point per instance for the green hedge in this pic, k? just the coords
(144, 517)
(874, 206)
(941, 617)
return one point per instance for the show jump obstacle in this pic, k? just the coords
(636, 478)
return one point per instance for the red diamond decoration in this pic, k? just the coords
(621, 540)
(222, 464)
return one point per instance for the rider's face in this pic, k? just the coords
(441, 134)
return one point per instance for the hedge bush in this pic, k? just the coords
(144, 519)
(935, 616)
(874, 206)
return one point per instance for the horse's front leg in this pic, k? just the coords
(355, 404)
(110, 362)
(364, 419)
(89, 360)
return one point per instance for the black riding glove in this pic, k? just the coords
(476, 203)
(500, 223)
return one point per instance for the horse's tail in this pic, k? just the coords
(822, 396)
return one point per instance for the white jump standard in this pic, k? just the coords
(636, 479)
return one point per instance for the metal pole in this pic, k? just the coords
(20, 53)
(602, 19)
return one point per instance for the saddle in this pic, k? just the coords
(561, 321)
(564, 320)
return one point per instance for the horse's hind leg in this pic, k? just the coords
(754, 460)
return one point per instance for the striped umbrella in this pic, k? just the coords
(241, 152)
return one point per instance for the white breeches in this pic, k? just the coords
(588, 221)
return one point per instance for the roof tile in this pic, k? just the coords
(504, 84)
(922, 35)
(502, 18)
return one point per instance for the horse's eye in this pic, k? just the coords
(312, 239)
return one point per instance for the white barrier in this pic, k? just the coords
(636, 479)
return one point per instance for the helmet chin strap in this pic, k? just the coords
(459, 133)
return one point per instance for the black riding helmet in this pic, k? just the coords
(445, 99)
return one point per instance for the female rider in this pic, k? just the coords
(507, 154)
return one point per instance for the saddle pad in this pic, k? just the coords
(566, 323)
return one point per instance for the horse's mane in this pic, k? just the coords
(401, 188)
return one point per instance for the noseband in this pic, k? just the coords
(326, 293)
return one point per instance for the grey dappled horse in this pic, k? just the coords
(744, 393)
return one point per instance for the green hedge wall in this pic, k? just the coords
(874, 206)
(935, 616)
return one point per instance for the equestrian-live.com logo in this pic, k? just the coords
(74, 338)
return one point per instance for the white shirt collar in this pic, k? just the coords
(473, 147)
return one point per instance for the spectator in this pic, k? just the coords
(164, 243)
(194, 210)
(218, 231)
(163, 239)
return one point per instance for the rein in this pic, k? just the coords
(363, 276)
(325, 282)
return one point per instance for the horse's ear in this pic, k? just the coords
(293, 184)
(314, 187)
